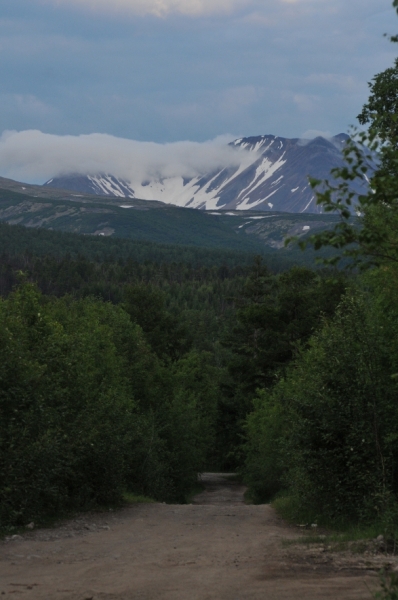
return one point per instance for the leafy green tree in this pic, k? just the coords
(146, 306)
(266, 430)
(87, 410)
(381, 110)
(277, 316)
(327, 431)
(66, 407)
(197, 377)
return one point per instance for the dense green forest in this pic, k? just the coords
(125, 364)
(130, 367)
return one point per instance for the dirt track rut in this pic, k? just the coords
(217, 548)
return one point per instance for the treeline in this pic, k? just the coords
(106, 279)
(16, 240)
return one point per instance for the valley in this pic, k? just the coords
(251, 231)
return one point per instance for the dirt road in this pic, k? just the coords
(217, 548)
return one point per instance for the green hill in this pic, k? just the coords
(244, 231)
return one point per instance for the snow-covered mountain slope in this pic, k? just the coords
(274, 176)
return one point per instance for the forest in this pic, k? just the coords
(127, 368)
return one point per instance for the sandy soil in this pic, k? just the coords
(217, 548)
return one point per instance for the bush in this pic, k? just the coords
(327, 431)
(265, 463)
(89, 412)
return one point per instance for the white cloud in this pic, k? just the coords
(33, 156)
(303, 1)
(162, 8)
(306, 102)
(233, 100)
(28, 104)
(158, 8)
(28, 108)
(346, 83)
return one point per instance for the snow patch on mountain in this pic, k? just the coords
(271, 168)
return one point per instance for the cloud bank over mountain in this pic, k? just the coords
(34, 157)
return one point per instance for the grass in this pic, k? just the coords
(389, 587)
(335, 542)
(197, 489)
(130, 498)
(51, 522)
(339, 536)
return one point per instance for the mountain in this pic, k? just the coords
(273, 177)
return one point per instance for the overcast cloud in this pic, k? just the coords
(169, 70)
(159, 8)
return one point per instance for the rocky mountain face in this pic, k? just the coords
(275, 178)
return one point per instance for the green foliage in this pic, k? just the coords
(381, 110)
(114, 381)
(276, 316)
(156, 223)
(136, 499)
(65, 408)
(146, 306)
(342, 400)
(141, 230)
(198, 378)
(89, 413)
(266, 428)
(16, 240)
(389, 586)
(327, 431)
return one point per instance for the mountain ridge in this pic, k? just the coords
(274, 178)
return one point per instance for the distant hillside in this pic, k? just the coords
(244, 231)
(273, 178)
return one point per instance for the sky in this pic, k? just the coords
(166, 71)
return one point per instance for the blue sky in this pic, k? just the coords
(167, 70)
